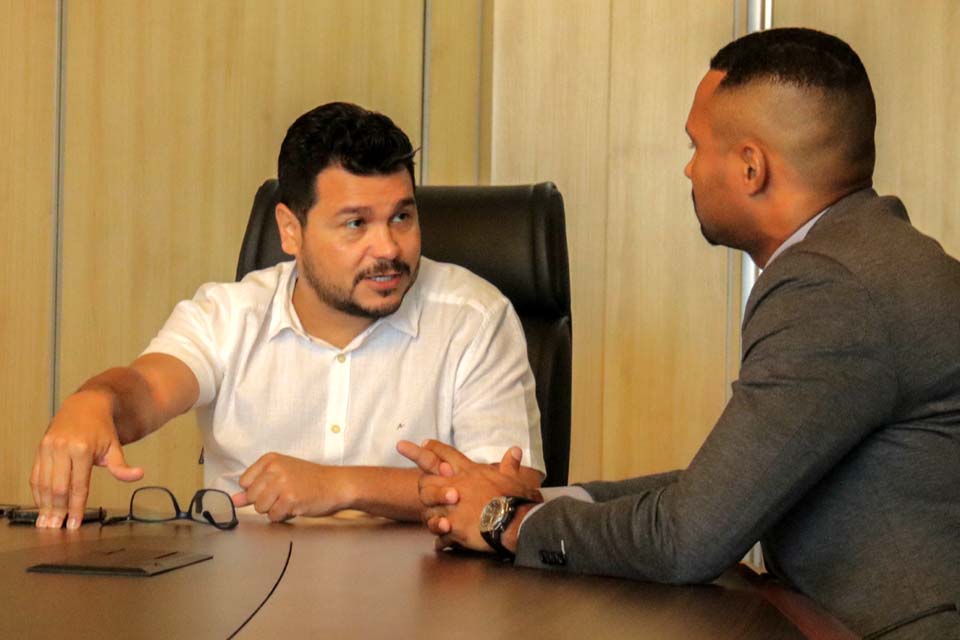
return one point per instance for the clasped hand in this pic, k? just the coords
(454, 490)
(283, 487)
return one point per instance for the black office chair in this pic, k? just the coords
(514, 237)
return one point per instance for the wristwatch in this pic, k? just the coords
(494, 520)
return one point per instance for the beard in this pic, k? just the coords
(708, 235)
(343, 299)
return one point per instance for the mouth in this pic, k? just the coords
(384, 282)
(385, 276)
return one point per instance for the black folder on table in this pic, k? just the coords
(122, 560)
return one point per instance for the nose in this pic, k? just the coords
(383, 243)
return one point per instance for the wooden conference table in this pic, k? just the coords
(347, 577)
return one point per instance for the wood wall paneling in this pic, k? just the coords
(176, 111)
(548, 121)
(912, 55)
(667, 304)
(28, 49)
(452, 93)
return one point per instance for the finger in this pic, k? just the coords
(117, 465)
(510, 463)
(35, 480)
(250, 476)
(280, 511)
(445, 469)
(44, 501)
(79, 489)
(432, 481)
(423, 458)
(448, 454)
(432, 496)
(445, 542)
(263, 495)
(240, 499)
(59, 486)
(438, 525)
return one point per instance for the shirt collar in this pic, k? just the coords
(796, 237)
(283, 315)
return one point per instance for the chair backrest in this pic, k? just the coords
(512, 236)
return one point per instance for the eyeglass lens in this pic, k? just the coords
(153, 504)
(216, 504)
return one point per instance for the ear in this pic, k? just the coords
(291, 232)
(753, 162)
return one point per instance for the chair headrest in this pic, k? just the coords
(512, 236)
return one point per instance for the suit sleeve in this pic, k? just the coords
(815, 380)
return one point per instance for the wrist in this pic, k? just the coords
(92, 399)
(511, 535)
(339, 485)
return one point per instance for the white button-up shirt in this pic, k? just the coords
(450, 364)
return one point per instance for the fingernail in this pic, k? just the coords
(516, 453)
(42, 521)
(73, 523)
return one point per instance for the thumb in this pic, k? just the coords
(115, 463)
(510, 463)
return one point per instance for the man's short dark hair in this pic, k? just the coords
(809, 59)
(338, 134)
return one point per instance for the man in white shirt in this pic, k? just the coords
(306, 374)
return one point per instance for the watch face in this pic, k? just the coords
(493, 514)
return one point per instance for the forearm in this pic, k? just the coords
(389, 492)
(604, 491)
(124, 394)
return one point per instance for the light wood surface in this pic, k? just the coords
(176, 111)
(667, 304)
(350, 578)
(911, 52)
(594, 97)
(28, 83)
(452, 82)
(549, 121)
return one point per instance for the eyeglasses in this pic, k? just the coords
(157, 504)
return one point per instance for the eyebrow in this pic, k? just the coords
(351, 211)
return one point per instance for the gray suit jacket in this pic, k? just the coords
(839, 449)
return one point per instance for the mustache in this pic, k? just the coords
(383, 267)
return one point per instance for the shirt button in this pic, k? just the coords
(341, 358)
(335, 428)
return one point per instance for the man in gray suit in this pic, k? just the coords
(840, 447)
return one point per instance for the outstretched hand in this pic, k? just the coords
(454, 490)
(82, 435)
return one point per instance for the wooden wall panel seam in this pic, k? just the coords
(425, 94)
(57, 213)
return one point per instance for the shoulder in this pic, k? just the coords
(868, 232)
(252, 295)
(449, 285)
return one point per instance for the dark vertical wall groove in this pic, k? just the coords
(57, 209)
